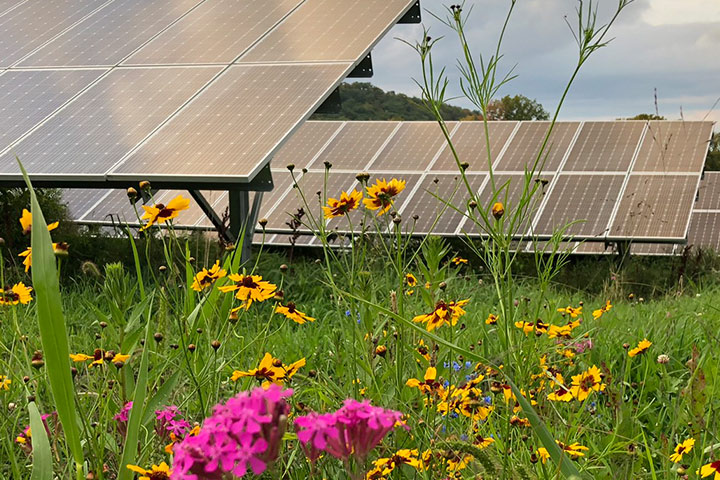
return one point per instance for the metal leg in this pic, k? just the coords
(210, 213)
(623, 250)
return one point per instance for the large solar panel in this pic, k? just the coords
(709, 192)
(655, 207)
(470, 142)
(605, 146)
(111, 34)
(356, 145)
(705, 230)
(523, 150)
(674, 147)
(413, 146)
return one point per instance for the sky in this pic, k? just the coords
(669, 45)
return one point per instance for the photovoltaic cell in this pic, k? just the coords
(28, 97)
(705, 231)
(33, 23)
(589, 199)
(355, 145)
(6, 5)
(523, 150)
(674, 147)
(429, 203)
(217, 31)
(304, 145)
(469, 141)
(605, 146)
(709, 192)
(80, 200)
(320, 30)
(110, 34)
(99, 127)
(655, 206)
(239, 120)
(412, 148)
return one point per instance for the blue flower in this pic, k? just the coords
(488, 400)
(446, 384)
(468, 364)
(456, 366)
(464, 437)
(347, 313)
(446, 364)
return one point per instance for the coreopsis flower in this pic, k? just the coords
(19, 293)
(681, 449)
(498, 210)
(575, 450)
(429, 384)
(526, 327)
(483, 442)
(640, 349)
(459, 261)
(270, 371)
(385, 466)
(712, 468)
(243, 434)
(491, 319)
(457, 462)
(602, 310)
(291, 312)
(543, 454)
(352, 431)
(344, 205)
(516, 421)
(160, 213)
(5, 382)
(206, 278)
(559, 331)
(572, 311)
(80, 357)
(249, 288)
(381, 195)
(26, 223)
(410, 280)
(60, 248)
(587, 382)
(444, 313)
(561, 393)
(156, 472)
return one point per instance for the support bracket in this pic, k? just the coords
(364, 69)
(414, 15)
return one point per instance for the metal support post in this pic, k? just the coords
(210, 213)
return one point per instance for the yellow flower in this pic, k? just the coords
(483, 442)
(491, 319)
(444, 313)
(385, 466)
(270, 371)
(26, 223)
(640, 349)
(498, 210)
(60, 248)
(80, 357)
(543, 454)
(293, 314)
(602, 310)
(563, 331)
(459, 260)
(382, 194)
(526, 327)
(572, 311)
(120, 358)
(681, 449)
(19, 293)
(344, 205)
(205, 277)
(429, 384)
(249, 288)
(575, 450)
(160, 213)
(561, 394)
(710, 469)
(5, 382)
(410, 279)
(587, 382)
(156, 472)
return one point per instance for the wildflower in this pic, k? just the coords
(59, 249)
(249, 288)
(681, 449)
(663, 359)
(575, 450)
(124, 414)
(19, 293)
(543, 454)
(26, 222)
(80, 357)
(381, 195)
(243, 434)
(498, 210)
(483, 442)
(587, 382)
(457, 462)
(353, 430)
(602, 310)
(344, 205)
(206, 278)
(640, 349)
(160, 213)
(293, 314)
(491, 319)
(459, 261)
(5, 382)
(270, 371)
(710, 469)
(385, 466)
(572, 311)
(526, 327)
(562, 331)
(156, 472)
(410, 280)
(444, 313)
(429, 384)
(561, 394)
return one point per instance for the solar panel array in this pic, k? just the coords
(106, 92)
(609, 197)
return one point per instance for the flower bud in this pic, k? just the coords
(158, 337)
(215, 345)
(132, 194)
(145, 185)
(291, 166)
(263, 222)
(381, 351)
(191, 347)
(498, 210)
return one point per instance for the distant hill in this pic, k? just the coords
(364, 101)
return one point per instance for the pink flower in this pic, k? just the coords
(243, 434)
(123, 414)
(355, 429)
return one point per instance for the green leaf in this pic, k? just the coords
(53, 333)
(41, 455)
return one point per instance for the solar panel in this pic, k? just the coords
(655, 207)
(8, 5)
(28, 97)
(705, 230)
(215, 32)
(305, 144)
(115, 207)
(356, 145)
(525, 145)
(674, 147)
(310, 34)
(111, 34)
(508, 189)
(243, 116)
(87, 137)
(605, 146)
(33, 23)
(430, 203)
(709, 192)
(469, 141)
(412, 148)
(655, 249)
(586, 199)
(80, 200)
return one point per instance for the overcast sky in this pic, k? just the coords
(671, 45)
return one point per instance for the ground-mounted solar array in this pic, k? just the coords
(604, 203)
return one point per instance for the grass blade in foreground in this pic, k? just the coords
(53, 333)
(42, 457)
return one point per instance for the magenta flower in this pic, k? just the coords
(353, 430)
(243, 434)
(124, 413)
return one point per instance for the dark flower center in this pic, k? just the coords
(248, 282)
(9, 296)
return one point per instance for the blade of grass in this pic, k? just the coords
(42, 466)
(53, 332)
